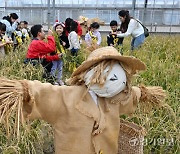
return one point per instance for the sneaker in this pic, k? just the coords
(56, 83)
(61, 83)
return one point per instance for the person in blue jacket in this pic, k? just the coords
(11, 23)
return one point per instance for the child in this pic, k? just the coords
(112, 39)
(93, 37)
(25, 34)
(2, 43)
(26, 27)
(18, 36)
(73, 39)
(60, 45)
(4, 40)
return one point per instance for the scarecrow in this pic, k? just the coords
(85, 114)
(86, 22)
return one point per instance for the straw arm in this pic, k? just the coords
(11, 104)
(152, 95)
(35, 100)
(24, 99)
(147, 97)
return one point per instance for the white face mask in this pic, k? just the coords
(114, 84)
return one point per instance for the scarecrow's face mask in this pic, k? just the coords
(114, 84)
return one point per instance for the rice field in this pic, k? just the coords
(161, 54)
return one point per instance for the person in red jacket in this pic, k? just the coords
(67, 27)
(38, 50)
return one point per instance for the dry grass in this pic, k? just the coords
(160, 54)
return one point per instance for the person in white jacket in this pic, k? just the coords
(133, 27)
(93, 37)
(11, 23)
(73, 39)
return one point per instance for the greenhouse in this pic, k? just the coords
(158, 15)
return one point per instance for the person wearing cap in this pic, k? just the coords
(85, 114)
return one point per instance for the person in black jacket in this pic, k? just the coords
(61, 45)
(60, 29)
(112, 39)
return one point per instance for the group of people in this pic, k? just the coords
(129, 26)
(12, 33)
(67, 35)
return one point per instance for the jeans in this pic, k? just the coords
(137, 41)
(74, 51)
(57, 66)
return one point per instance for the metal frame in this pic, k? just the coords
(49, 10)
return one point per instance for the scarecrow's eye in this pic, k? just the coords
(114, 78)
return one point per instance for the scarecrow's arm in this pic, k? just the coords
(45, 101)
(30, 99)
(149, 97)
(129, 105)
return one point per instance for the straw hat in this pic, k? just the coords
(82, 19)
(99, 21)
(131, 63)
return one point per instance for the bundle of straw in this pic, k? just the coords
(11, 104)
(152, 96)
